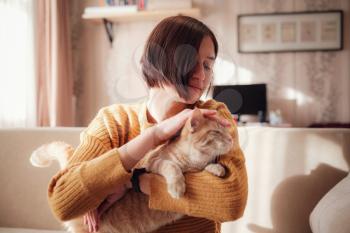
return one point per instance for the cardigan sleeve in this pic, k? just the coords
(220, 199)
(93, 172)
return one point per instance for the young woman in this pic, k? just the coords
(177, 65)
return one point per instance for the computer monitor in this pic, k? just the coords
(243, 99)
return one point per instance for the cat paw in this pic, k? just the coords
(177, 189)
(216, 169)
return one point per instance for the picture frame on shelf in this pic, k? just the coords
(290, 32)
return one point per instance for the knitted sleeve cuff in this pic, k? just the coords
(102, 175)
(160, 199)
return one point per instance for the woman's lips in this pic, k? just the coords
(194, 87)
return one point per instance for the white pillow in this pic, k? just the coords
(332, 212)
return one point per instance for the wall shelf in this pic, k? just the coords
(140, 15)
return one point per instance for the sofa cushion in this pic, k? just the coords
(332, 212)
(26, 230)
(23, 196)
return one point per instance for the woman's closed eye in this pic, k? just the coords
(207, 67)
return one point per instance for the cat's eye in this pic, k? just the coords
(208, 142)
(215, 132)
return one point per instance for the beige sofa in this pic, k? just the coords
(289, 171)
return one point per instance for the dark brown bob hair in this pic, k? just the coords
(171, 52)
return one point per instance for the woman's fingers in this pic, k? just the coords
(91, 219)
(97, 220)
(89, 223)
(220, 120)
(169, 127)
(212, 114)
(208, 112)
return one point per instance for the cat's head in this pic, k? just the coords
(207, 135)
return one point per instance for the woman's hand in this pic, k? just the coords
(92, 218)
(144, 182)
(169, 127)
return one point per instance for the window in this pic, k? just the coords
(17, 64)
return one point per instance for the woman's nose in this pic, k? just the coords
(199, 73)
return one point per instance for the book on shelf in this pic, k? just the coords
(134, 6)
(107, 6)
(118, 2)
(121, 3)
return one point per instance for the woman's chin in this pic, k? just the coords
(194, 98)
(195, 95)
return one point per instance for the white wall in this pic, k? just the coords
(307, 86)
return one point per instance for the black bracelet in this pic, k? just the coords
(135, 178)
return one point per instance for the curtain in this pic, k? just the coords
(55, 98)
(17, 64)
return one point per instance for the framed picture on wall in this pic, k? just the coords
(290, 32)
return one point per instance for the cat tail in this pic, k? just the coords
(45, 154)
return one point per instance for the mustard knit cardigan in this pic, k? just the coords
(95, 169)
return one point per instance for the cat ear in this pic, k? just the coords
(196, 120)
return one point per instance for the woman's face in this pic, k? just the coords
(202, 75)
